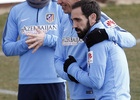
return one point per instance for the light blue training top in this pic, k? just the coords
(70, 44)
(38, 67)
(108, 73)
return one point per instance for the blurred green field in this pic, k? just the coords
(126, 16)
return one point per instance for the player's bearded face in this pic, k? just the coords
(82, 32)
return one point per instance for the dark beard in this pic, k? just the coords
(82, 33)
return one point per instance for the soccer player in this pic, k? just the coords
(38, 79)
(108, 73)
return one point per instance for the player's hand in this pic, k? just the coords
(28, 39)
(35, 40)
(69, 61)
(96, 36)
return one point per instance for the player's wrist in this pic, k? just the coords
(68, 62)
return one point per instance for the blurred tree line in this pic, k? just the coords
(106, 1)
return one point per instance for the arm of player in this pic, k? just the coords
(59, 60)
(11, 46)
(121, 37)
(116, 33)
(95, 77)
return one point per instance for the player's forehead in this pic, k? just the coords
(76, 11)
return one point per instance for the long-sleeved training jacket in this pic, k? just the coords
(38, 67)
(108, 73)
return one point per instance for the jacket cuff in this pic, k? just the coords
(24, 44)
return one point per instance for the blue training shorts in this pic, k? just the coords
(53, 91)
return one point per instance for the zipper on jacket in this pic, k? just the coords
(37, 16)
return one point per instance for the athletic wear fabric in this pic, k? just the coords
(42, 91)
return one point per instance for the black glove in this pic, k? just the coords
(69, 61)
(72, 78)
(96, 36)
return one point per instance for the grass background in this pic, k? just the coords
(126, 16)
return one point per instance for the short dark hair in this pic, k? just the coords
(88, 7)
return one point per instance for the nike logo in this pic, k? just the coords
(24, 19)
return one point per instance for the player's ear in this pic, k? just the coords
(92, 19)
